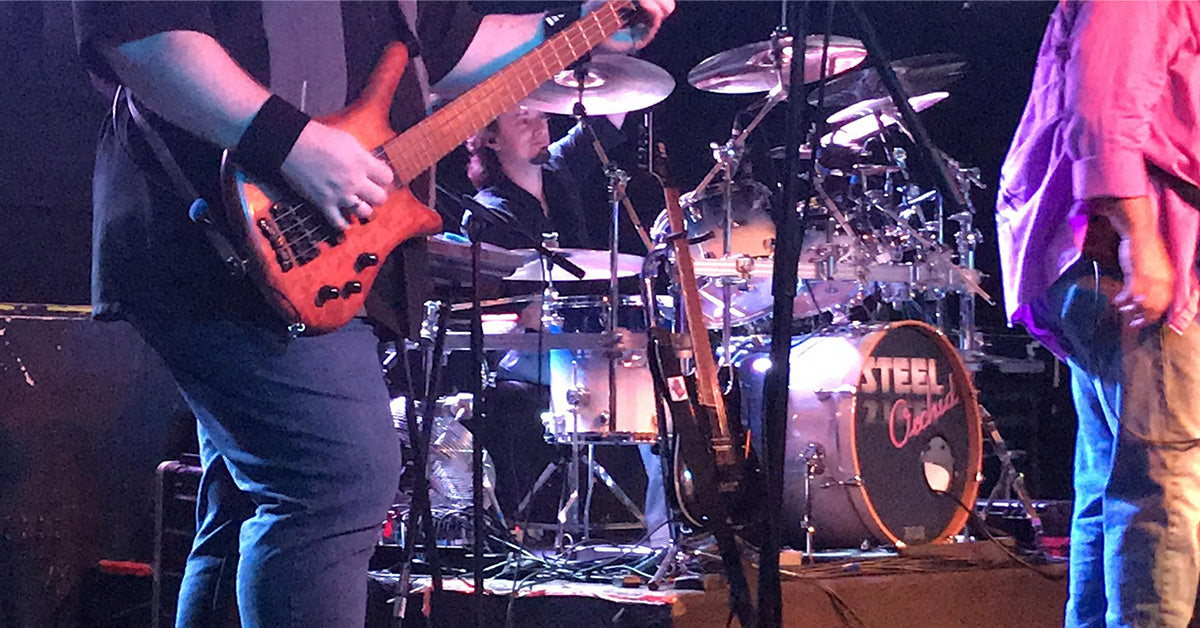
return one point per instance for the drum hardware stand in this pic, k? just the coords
(479, 410)
(814, 465)
(1011, 480)
(617, 179)
(420, 510)
(569, 464)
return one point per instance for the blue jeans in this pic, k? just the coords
(300, 465)
(1135, 554)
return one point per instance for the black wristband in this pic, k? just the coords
(270, 136)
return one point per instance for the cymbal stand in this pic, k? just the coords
(967, 241)
(728, 156)
(736, 143)
(420, 516)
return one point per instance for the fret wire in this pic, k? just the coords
(450, 123)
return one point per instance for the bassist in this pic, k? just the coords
(300, 462)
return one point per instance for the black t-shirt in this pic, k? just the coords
(146, 251)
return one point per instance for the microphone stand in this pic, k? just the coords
(478, 384)
(788, 229)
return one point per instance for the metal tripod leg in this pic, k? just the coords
(1010, 478)
(600, 473)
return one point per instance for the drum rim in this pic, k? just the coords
(974, 439)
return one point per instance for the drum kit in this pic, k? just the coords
(883, 437)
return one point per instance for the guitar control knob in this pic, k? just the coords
(364, 261)
(326, 293)
(351, 287)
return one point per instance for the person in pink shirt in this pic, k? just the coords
(1097, 222)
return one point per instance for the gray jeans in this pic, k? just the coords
(1135, 552)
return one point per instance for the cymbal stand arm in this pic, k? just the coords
(966, 242)
(640, 228)
(738, 140)
(728, 160)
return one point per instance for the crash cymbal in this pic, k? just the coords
(917, 75)
(751, 68)
(595, 265)
(862, 120)
(613, 84)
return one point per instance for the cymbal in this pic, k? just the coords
(613, 84)
(917, 75)
(751, 68)
(595, 265)
(862, 120)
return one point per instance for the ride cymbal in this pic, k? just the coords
(611, 84)
(751, 68)
(917, 75)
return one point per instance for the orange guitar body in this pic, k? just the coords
(318, 278)
(301, 290)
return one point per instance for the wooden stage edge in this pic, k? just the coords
(999, 595)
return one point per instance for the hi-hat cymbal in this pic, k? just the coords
(595, 265)
(864, 119)
(751, 68)
(613, 84)
(917, 75)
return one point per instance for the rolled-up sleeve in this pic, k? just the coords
(1115, 76)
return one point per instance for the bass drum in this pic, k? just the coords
(891, 414)
(753, 235)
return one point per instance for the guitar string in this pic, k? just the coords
(454, 115)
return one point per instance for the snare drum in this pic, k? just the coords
(579, 382)
(753, 235)
(887, 416)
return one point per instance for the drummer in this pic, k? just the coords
(518, 170)
(543, 186)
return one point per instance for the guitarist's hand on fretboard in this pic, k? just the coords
(330, 168)
(645, 25)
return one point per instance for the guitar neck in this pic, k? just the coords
(707, 384)
(420, 147)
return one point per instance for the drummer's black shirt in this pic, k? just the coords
(572, 160)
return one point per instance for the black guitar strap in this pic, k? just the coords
(198, 211)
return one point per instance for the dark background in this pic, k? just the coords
(50, 117)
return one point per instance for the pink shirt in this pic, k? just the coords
(1116, 93)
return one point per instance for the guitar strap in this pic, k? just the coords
(198, 211)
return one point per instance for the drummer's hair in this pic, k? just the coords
(483, 166)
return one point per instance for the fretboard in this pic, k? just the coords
(415, 150)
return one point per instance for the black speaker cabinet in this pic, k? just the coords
(87, 412)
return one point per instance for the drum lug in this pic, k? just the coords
(827, 393)
(814, 459)
(854, 481)
(579, 397)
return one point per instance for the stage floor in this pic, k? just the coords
(973, 584)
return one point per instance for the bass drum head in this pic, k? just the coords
(895, 415)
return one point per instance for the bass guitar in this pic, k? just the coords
(316, 277)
